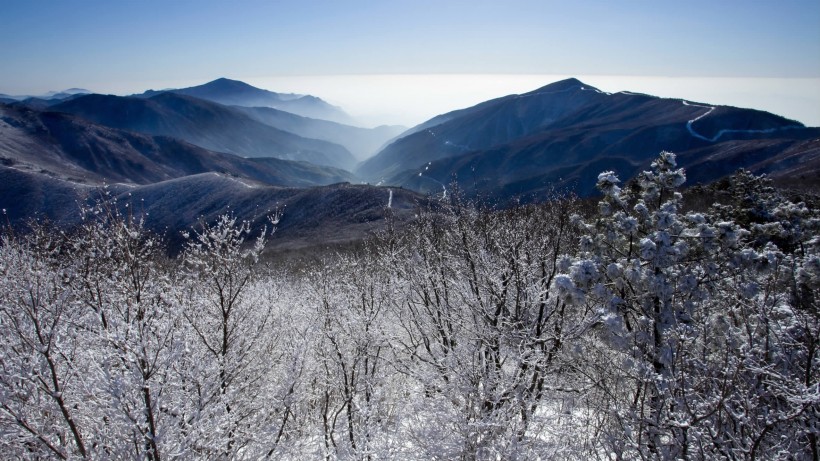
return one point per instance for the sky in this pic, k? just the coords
(402, 61)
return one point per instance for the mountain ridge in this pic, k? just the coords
(71, 148)
(556, 134)
(237, 93)
(204, 123)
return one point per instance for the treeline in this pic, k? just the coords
(640, 331)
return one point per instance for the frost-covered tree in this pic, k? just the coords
(693, 357)
(776, 293)
(122, 284)
(355, 384)
(642, 331)
(94, 303)
(228, 338)
(484, 337)
(42, 408)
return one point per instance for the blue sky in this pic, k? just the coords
(124, 46)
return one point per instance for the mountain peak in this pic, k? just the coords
(564, 85)
(226, 82)
(223, 83)
(68, 92)
(569, 81)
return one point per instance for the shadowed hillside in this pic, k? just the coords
(206, 124)
(558, 136)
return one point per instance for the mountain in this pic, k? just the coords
(562, 135)
(26, 195)
(323, 215)
(65, 93)
(72, 149)
(45, 100)
(205, 124)
(50, 95)
(236, 93)
(361, 142)
(42, 102)
(51, 163)
(318, 215)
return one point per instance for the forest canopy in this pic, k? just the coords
(639, 330)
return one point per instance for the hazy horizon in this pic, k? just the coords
(410, 99)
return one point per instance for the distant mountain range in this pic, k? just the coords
(73, 149)
(303, 115)
(236, 93)
(183, 158)
(361, 142)
(205, 124)
(560, 136)
(51, 95)
(44, 100)
(52, 162)
(194, 153)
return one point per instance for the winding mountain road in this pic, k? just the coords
(720, 133)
